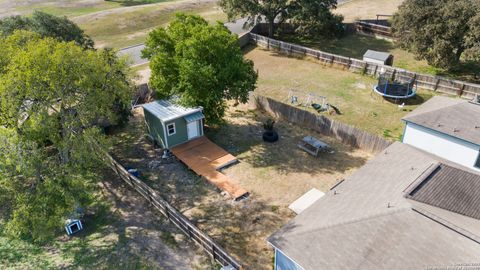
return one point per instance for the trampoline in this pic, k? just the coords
(396, 89)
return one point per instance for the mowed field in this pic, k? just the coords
(119, 23)
(121, 27)
(367, 9)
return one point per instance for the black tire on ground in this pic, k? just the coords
(270, 136)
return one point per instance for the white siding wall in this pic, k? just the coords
(282, 262)
(442, 145)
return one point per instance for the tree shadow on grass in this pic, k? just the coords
(173, 180)
(351, 45)
(242, 136)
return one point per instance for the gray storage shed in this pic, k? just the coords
(170, 124)
(381, 58)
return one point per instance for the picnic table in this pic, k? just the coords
(313, 146)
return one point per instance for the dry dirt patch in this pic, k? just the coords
(275, 174)
(281, 172)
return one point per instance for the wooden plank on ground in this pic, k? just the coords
(205, 158)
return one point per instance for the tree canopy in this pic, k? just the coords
(52, 95)
(439, 31)
(200, 64)
(313, 18)
(47, 25)
(257, 11)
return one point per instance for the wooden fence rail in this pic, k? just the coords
(177, 218)
(373, 29)
(323, 125)
(429, 82)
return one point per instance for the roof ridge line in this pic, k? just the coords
(447, 224)
(428, 112)
(356, 220)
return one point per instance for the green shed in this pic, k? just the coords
(170, 124)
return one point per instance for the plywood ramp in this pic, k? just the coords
(205, 157)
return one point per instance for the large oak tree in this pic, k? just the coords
(47, 25)
(313, 18)
(52, 96)
(439, 31)
(200, 64)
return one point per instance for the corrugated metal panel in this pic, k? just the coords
(194, 117)
(166, 110)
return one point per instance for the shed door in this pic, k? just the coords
(193, 129)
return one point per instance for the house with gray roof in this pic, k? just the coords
(448, 128)
(405, 209)
(411, 207)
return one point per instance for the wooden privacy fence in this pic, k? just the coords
(323, 125)
(434, 83)
(177, 218)
(373, 29)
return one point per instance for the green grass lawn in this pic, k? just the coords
(350, 92)
(355, 46)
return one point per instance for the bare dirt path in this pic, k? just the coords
(145, 232)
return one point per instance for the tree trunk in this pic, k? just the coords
(459, 53)
(271, 27)
(64, 151)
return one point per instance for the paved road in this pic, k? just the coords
(135, 52)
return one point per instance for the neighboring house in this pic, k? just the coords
(448, 128)
(404, 209)
(170, 124)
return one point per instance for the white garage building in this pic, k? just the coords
(448, 128)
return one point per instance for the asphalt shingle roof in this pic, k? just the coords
(454, 117)
(451, 189)
(368, 223)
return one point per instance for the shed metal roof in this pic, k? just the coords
(457, 118)
(194, 117)
(167, 111)
(381, 56)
